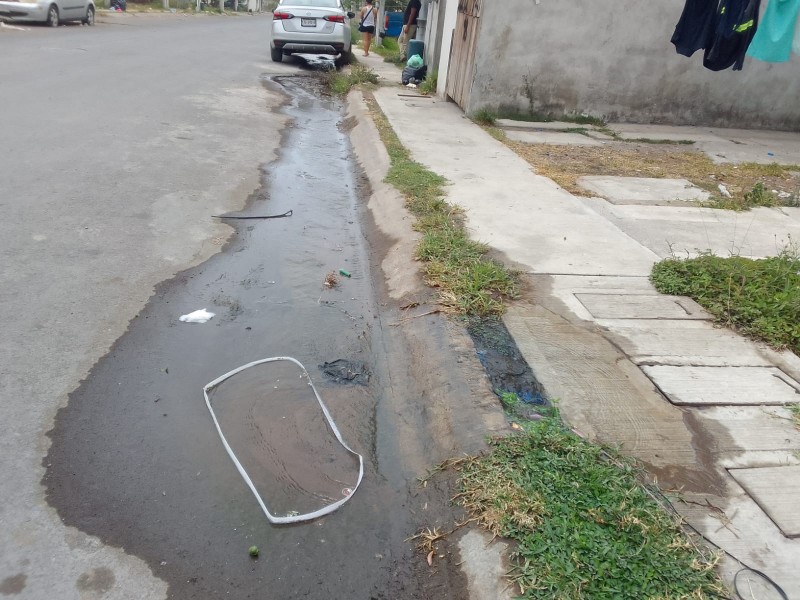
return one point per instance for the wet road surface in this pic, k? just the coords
(135, 459)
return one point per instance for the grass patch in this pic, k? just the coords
(758, 196)
(466, 279)
(759, 298)
(389, 49)
(428, 86)
(584, 525)
(484, 117)
(341, 82)
(794, 409)
(496, 133)
(565, 164)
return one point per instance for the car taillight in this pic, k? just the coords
(334, 18)
(280, 16)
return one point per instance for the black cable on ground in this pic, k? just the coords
(778, 588)
(288, 213)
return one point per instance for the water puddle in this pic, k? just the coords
(135, 457)
(505, 366)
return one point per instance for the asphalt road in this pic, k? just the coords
(117, 143)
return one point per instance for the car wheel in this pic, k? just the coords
(89, 20)
(277, 54)
(52, 16)
(345, 58)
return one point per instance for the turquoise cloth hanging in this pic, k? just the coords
(773, 39)
(796, 45)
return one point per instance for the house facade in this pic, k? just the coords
(606, 58)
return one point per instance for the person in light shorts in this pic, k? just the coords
(409, 26)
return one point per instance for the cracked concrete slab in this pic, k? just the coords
(640, 306)
(776, 490)
(685, 342)
(642, 190)
(601, 393)
(724, 385)
(753, 432)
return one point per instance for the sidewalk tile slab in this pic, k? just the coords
(551, 137)
(688, 230)
(684, 343)
(748, 429)
(641, 306)
(642, 190)
(529, 218)
(777, 491)
(724, 385)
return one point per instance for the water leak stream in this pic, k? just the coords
(135, 458)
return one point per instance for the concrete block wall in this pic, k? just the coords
(614, 59)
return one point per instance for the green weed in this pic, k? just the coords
(428, 86)
(496, 133)
(584, 525)
(466, 279)
(484, 117)
(759, 298)
(795, 410)
(341, 82)
(509, 400)
(389, 49)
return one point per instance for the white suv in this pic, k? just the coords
(310, 27)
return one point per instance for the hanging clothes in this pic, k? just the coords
(773, 40)
(736, 24)
(796, 45)
(695, 26)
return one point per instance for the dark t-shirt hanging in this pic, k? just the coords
(695, 26)
(412, 4)
(736, 25)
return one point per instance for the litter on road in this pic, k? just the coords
(288, 213)
(198, 316)
(292, 516)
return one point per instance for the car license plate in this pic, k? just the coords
(308, 22)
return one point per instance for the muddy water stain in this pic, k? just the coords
(13, 585)
(506, 368)
(135, 459)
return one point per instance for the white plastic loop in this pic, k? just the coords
(289, 518)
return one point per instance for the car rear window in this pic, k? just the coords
(317, 3)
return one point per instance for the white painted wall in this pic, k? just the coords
(450, 18)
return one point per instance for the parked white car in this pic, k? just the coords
(310, 27)
(52, 12)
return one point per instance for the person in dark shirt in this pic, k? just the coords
(409, 26)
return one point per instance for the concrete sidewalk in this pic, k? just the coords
(702, 407)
